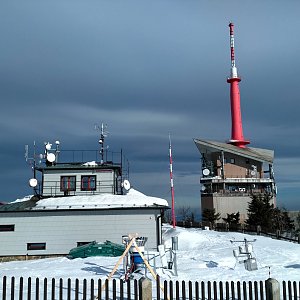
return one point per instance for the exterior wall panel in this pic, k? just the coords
(227, 205)
(61, 230)
(105, 181)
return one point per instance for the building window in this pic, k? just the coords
(68, 183)
(36, 246)
(9, 227)
(82, 243)
(230, 161)
(88, 183)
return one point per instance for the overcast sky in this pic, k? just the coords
(147, 69)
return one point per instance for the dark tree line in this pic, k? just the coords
(262, 212)
(210, 216)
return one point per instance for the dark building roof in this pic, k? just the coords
(79, 166)
(19, 206)
(258, 154)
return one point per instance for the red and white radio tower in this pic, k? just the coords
(237, 137)
(172, 185)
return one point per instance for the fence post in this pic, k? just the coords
(145, 285)
(227, 226)
(272, 289)
(258, 229)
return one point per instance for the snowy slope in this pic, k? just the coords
(202, 255)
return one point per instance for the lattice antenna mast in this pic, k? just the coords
(237, 137)
(31, 159)
(103, 135)
(172, 184)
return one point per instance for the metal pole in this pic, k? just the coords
(172, 185)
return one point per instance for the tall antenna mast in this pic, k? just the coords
(103, 135)
(172, 185)
(237, 137)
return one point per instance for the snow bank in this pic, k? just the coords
(26, 198)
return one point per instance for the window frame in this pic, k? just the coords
(7, 227)
(82, 243)
(69, 182)
(88, 188)
(230, 160)
(36, 246)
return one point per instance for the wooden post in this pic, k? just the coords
(145, 287)
(118, 263)
(147, 265)
(272, 289)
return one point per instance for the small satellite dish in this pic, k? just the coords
(205, 172)
(203, 188)
(253, 173)
(33, 182)
(48, 146)
(126, 185)
(51, 157)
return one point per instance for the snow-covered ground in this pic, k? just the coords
(202, 255)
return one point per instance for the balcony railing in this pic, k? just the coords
(54, 189)
(236, 180)
(83, 156)
(227, 193)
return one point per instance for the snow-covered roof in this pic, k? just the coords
(133, 199)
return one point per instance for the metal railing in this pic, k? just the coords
(83, 156)
(53, 188)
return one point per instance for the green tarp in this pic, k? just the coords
(96, 249)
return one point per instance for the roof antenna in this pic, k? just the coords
(103, 135)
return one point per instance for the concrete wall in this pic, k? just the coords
(61, 230)
(227, 205)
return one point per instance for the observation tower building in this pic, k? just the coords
(232, 172)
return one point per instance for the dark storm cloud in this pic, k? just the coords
(147, 69)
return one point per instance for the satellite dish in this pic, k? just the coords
(48, 146)
(203, 188)
(33, 182)
(205, 172)
(253, 173)
(126, 185)
(51, 157)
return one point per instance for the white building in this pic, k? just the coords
(76, 203)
